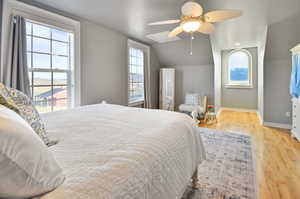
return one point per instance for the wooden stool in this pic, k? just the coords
(210, 117)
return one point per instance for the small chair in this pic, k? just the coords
(194, 103)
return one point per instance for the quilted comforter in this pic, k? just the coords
(116, 152)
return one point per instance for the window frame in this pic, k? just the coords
(146, 52)
(239, 84)
(45, 17)
(69, 72)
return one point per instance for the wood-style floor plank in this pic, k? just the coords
(277, 154)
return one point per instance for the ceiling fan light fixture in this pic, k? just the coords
(191, 9)
(194, 21)
(191, 26)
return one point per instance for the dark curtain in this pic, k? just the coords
(16, 70)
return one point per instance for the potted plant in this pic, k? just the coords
(210, 108)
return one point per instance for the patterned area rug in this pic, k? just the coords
(229, 169)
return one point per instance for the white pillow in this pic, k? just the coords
(193, 99)
(27, 167)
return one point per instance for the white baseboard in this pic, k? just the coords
(219, 111)
(295, 135)
(261, 121)
(268, 124)
(278, 125)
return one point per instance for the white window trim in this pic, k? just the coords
(237, 84)
(146, 50)
(296, 50)
(13, 7)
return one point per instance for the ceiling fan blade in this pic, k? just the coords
(175, 31)
(191, 9)
(221, 15)
(206, 28)
(164, 22)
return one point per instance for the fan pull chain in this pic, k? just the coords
(192, 38)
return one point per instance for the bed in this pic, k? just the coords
(117, 152)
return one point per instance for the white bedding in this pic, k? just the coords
(117, 152)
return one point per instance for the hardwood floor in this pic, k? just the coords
(277, 154)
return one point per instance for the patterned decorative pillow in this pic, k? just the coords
(19, 97)
(5, 103)
(20, 102)
(4, 92)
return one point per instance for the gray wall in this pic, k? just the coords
(194, 73)
(281, 38)
(104, 66)
(155, 66)
(245, 98)
(104, 63)
(194, 79)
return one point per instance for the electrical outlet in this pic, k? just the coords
(288, 114)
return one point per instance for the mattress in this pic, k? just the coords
(117, 152)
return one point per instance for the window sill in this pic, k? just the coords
(238, 86)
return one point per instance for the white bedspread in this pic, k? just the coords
(117, 152)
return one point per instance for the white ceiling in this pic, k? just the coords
(131, 16)
(178, 52)
(248, 30)
(162, 37)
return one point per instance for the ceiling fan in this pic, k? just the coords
(193, 19)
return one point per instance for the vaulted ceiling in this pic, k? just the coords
(132, 16)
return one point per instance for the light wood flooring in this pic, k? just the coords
(277, 154)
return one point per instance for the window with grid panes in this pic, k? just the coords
(136, 75)
(49, 63)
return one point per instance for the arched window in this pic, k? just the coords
(239, 68)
